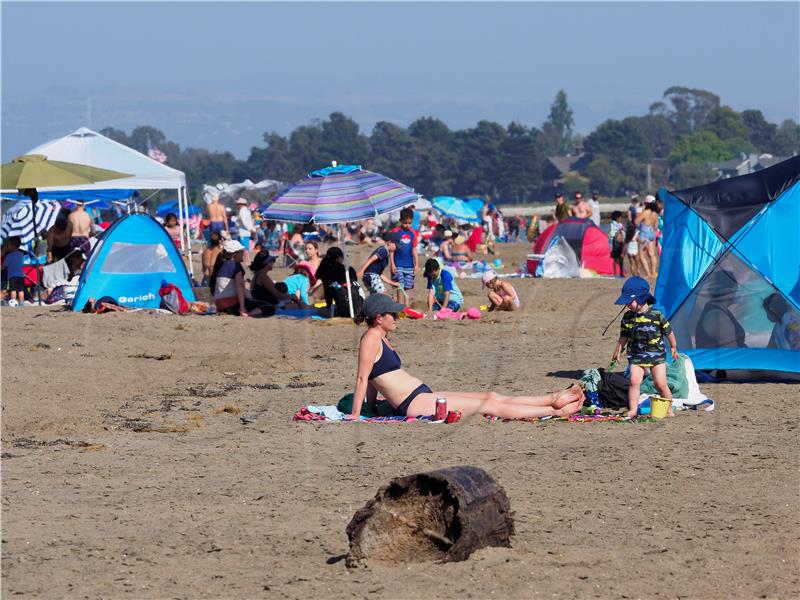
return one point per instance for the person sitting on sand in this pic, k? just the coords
(300, 281)
(461, 251)
(380, 372)
(502, 295)
(443, 291)
(265, 293)
(227, 283)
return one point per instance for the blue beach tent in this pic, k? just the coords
(129, 262)
(729, 280)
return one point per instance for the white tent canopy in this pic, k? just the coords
(87, 147)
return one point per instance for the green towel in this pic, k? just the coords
(676, 380)
(384, 409)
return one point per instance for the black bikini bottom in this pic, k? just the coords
(400, 411)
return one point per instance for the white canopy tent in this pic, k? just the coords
(87, 147)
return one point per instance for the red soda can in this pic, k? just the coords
(441, 409)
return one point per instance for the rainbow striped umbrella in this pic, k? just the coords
(339, 194)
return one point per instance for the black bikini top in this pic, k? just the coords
(389, 361)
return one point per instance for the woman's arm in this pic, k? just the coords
(367, 353)
(239, 278)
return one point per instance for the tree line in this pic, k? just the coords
(682, 133)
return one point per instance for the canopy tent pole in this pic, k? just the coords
(188, 233)
(181, 221)
(347, 279)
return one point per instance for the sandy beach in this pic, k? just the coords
(127, 472)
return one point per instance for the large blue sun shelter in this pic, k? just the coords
(129, 263)
(729, 280)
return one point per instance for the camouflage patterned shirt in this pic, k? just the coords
(645, 336)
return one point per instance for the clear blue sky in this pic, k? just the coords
(218, 75)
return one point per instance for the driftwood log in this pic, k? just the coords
(443, 515)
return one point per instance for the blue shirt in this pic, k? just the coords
(406, 242)
(13, 263)
(445, 283)
(297, 283)
(379, 265)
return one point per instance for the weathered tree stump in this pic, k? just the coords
(443, 515)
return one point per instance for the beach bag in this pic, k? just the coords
(613, 389)
(341, 297)
(172, 299)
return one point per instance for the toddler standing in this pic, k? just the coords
(642, 330)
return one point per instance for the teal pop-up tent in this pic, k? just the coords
(129, 263)
(729, 280)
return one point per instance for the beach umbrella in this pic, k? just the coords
(339, 194)
(20, 222)
(31, 171)
(456, 208)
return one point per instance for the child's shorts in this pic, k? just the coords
(647, 362)
(405, 277)
(452, 305)
(16, 284)
(616, 249)
(374, 283)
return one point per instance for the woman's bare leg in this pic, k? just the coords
(562, 403)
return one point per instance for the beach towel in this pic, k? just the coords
(330, 413)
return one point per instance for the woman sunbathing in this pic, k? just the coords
(379, 371)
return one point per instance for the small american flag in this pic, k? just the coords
(154, 153)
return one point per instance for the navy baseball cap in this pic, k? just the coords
(634, 288)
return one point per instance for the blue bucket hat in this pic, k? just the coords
(634, 288)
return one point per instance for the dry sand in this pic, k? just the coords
(124, 476)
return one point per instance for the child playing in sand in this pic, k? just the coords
(371, 272)
(642, 330)
(502, 295)
(443, 291)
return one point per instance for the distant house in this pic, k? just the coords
(556, 168)
(744, 165)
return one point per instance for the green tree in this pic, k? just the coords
(604, 175)
(658, 132)
(479, 159)
(687, 108)
(725, 123)
(685, 175)
(618, 139)
(305, 148)
(521, 156)
(698, 149)
(574, 182)
(271, 162)
(787, 139)
(760, 131)
(561, 123)
(341, 141)
(393, 151)
(436, 165)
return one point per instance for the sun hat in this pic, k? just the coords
(448, 233)
(306, 266)
(649, 198)
(634, 196)
(241, 200)
(634, 288)
(460, 239)
(488, 276)
(232, 246)
(378, 304)
(262, 259)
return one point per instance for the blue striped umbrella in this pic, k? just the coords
(18, 221)
(456, 208)
(339, 194)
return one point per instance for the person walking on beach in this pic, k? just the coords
(581, 208)
(642, 330)
(244, 221)
(81, 229)
(561, 210)
(594, 204)
(218, 216)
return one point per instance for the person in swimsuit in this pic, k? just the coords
(502, 294)
(647, 223)
(58, 238)
(461, 251)
(218, 216)
(81, 226)
(380, 371)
